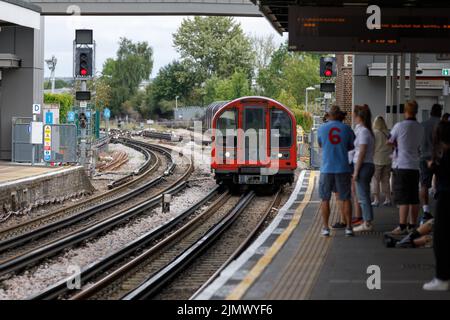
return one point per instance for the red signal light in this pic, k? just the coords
(328, 73)
(83, 72)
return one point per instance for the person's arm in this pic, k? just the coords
(360, 160)
(392, 141)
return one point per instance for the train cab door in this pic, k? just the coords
(255, 134)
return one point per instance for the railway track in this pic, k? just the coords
(28, 248)
(155, 267)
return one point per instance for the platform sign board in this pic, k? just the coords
(47, 143)
(352, 29)
(106, 113)
(36, 132)
(36, 108)
(51, 113)
(49, 117)
(70, 116)
(446, 72)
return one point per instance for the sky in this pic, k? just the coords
(156, 30)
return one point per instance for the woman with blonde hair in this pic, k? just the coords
(383, 162)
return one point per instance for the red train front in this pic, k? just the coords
(254, 142)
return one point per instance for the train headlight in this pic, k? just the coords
(280, 155)
(227, 154)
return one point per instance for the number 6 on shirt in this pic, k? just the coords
(333, 137)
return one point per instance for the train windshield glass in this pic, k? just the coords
(227, 127)
(281, 121)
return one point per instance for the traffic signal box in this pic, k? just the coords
(83, 63)
(328, 67)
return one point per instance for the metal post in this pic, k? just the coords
(402, 86)
(395, 90)
(412, 76)
(388, 115)
(306, 98)
(83, 130)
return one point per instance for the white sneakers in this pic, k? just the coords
(325, 232)
(365, 226)
(436, 285)
(375, 203)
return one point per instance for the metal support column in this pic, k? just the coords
(395, 90)
(388, 115)
(412, 76)
(402, 87)
(83, 130)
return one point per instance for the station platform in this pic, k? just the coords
(23, 187)
(290, 260)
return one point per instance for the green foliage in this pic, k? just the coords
(214, 46)
(227, 89)
(65, 101)
(304, 119)
(133, 64)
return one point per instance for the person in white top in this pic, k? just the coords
(364, 167)
(406, 137)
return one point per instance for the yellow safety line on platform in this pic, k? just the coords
(239, 291)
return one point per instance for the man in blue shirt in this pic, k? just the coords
(336, 140)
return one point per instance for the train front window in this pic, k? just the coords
(281, 121)
(227, 128)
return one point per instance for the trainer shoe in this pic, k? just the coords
(338, 225)
(389, 241)
(366, 226)
(425, 217)
(325, 232)
(387, 203)
(405, 243)
(399, 232)
(357, 221)
(436, 285)
(375, 203)
(411, 227)
(349, 232)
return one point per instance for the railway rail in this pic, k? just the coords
(155, 267)
(66, 232)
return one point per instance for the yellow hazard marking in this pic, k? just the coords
(239, 291)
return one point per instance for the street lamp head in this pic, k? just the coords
(310, 88)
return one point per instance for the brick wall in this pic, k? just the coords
(344, 84)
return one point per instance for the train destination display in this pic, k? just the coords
(369, 29)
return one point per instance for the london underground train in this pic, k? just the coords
(253, 142)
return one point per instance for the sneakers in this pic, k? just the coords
(425, 217)
(325, 232)
(376, 203)
(389, 241)
(399, 231)
(365, 226)
(406, 242)
(357, 221)
(349, 232)
(387, 203)
(411, 227)
(339, 225)
(436, 285)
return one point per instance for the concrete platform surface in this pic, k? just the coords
(23, 188)
(290, 260)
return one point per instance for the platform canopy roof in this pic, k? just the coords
(277, 11)
(19, 12)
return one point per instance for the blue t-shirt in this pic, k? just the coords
(336, 139)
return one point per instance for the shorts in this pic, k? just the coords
(406, 186)
(426, 175)
(335, 182)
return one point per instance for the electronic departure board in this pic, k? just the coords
(345, 29)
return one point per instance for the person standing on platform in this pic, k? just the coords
(336, 139)
(440, 166)
(383, 163)
(426, 146)
(406, 137)
(364, 166)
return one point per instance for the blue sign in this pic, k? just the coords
(47, 155)
(88, 114)
(71, 116)
(49, 117)
(106, 113)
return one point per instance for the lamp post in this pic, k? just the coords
(306, 96)
(176, 102)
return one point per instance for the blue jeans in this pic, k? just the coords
(363, 190)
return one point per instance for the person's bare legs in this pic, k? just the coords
(414, 214)
(403, 212)
(347, 212)
(424, 198)
(325, 210)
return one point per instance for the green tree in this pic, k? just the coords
(102, 97)
(133, 64)
(214, 46)
(65, 101)
(227, 89)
